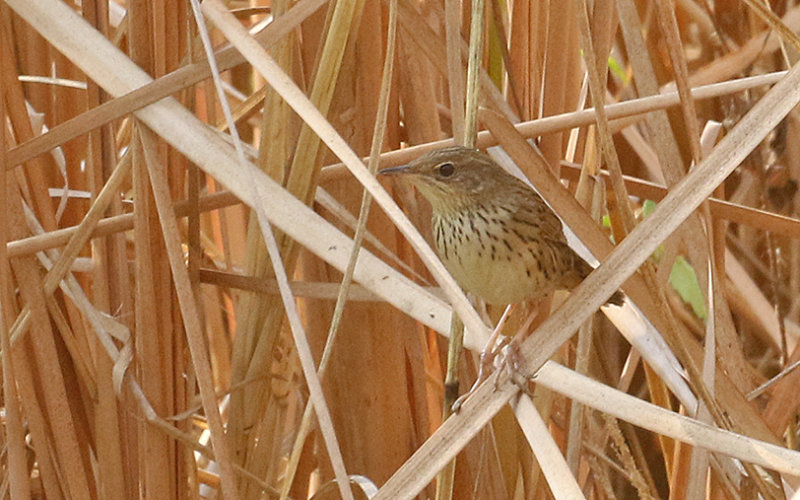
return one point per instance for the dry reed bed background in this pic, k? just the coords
(152, 348)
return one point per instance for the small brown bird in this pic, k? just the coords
(495, 235)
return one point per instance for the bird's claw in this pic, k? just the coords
(506, 356)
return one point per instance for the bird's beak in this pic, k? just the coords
(402, 169)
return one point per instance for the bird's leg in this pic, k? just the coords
(487, 357)
(511, 355)
(489, 351)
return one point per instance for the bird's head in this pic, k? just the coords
(453, 177)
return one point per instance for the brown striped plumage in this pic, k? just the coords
(495, 235)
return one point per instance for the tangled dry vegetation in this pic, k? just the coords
(183, 315)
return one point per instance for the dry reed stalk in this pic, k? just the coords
(18, 475)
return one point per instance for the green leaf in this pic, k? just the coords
(682, 276)
(617, 69)
(684, 280)
(648, 207)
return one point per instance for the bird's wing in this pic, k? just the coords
(536, 212)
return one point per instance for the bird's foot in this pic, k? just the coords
(510, 360)
(482, 375)
(499, 356)
(506, 356)
(488, 354)
(493, 359)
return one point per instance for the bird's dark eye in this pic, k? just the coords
(446, 169)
